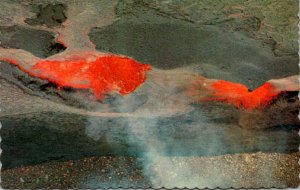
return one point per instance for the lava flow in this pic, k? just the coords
(102, 75)
(105, 73)
(241, 97)
(89, 70)
(80, 65)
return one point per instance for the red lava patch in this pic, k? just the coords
(102, 74)
(239, 95)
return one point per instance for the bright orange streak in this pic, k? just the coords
(102, 75)
(239, 95)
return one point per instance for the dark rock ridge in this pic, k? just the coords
(38, 42)
(51, 15)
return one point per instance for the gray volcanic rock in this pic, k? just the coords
(214, 52)
(51, 15)
(256, 19)
(38, 42)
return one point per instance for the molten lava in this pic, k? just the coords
(105, 73)
(102, 74)
(239, 95)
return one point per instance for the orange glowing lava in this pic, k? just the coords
(102, 74)
(240, 96)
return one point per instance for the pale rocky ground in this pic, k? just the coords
(259, 170)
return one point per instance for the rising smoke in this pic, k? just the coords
(174, 147)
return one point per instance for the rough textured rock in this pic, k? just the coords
(51, 15)
(114, 172)
(282, 111)
(255, 18)
(166, 41)
(39, 42)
